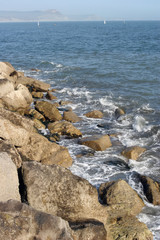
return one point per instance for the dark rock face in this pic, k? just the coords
(88, 231)
(151, 190)
(18, 221)
(56, 190)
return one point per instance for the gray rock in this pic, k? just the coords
(18, 221)
(9, 183)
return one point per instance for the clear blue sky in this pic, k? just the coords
(107, 9)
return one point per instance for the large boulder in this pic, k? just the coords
(151, 190)
(94, 114)
(97, 143)
(20, 222)
(133, 152)
(90, 230)
(70, 116)
(64, 128)
(7, 70)
(127, 228)
(11, 151)
(35, 115)
(6, 87)
(55, 190)
(17, 100)
(38, 148)
(121, 198)
(9, 183)
(48, 110)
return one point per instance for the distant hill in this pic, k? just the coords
(31, 16)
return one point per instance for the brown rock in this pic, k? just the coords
(37, 94)
(70, 116)
(64, 102)
(7, 70)
(21, 222)
(119, 112)
(133, 152)
(121, 197)
(98, 143)
(128, 228)
(9, 183)
(38, 148)
(38, 124)
(48, 110)
(88, 231)
(151, 190)
(17, 99)
(56, 190)
(12, 152)
(94, 114)
(36, 115)
(50, 96)
(64, 128)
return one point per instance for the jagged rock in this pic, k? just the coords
(12, 152)
(98, 143)
(151, 190)
(50, 96)
(94, 114)
(70, 116)
(7, 70)
(17, 135)
(127, 228)
(38, 124)
(38, 148)
(35, 114)
(119, 112)
(17, 119)
(48, 110)
(133, 152)
(20, 222)
(64, 128)
(121, 197)
(18, 99)
(88, 231)
(6, 87)
(9, 183)
(55, 190)
(37, 94)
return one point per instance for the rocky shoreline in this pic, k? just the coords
(40, 198)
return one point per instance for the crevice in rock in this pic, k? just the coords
(22, 187)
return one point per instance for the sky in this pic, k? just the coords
(106, 9)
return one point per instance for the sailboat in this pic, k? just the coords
(104, 22)
(38, 23)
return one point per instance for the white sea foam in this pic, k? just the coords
(139, 123)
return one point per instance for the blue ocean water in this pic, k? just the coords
(100, 66)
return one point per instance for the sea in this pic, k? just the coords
(97, 66)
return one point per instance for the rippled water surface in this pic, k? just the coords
(102, 67)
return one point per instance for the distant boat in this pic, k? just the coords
(38, 23)
(104, 22)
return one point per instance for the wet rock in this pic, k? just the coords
(119, 112)
(6, 87)
(64, 128)
(37, 94)
(98, 143)
(94, 114)
(151, 190)
(62, 102)
(50, 96)
(9, 183)
(88, 231)
(128, 228)
(48, 110)
(122, 199)
(19, 221)
(35, 115)
(18, 99)
(38, 148)
(70, 116)
(12, 152)
(57, 191)
(133, 152)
